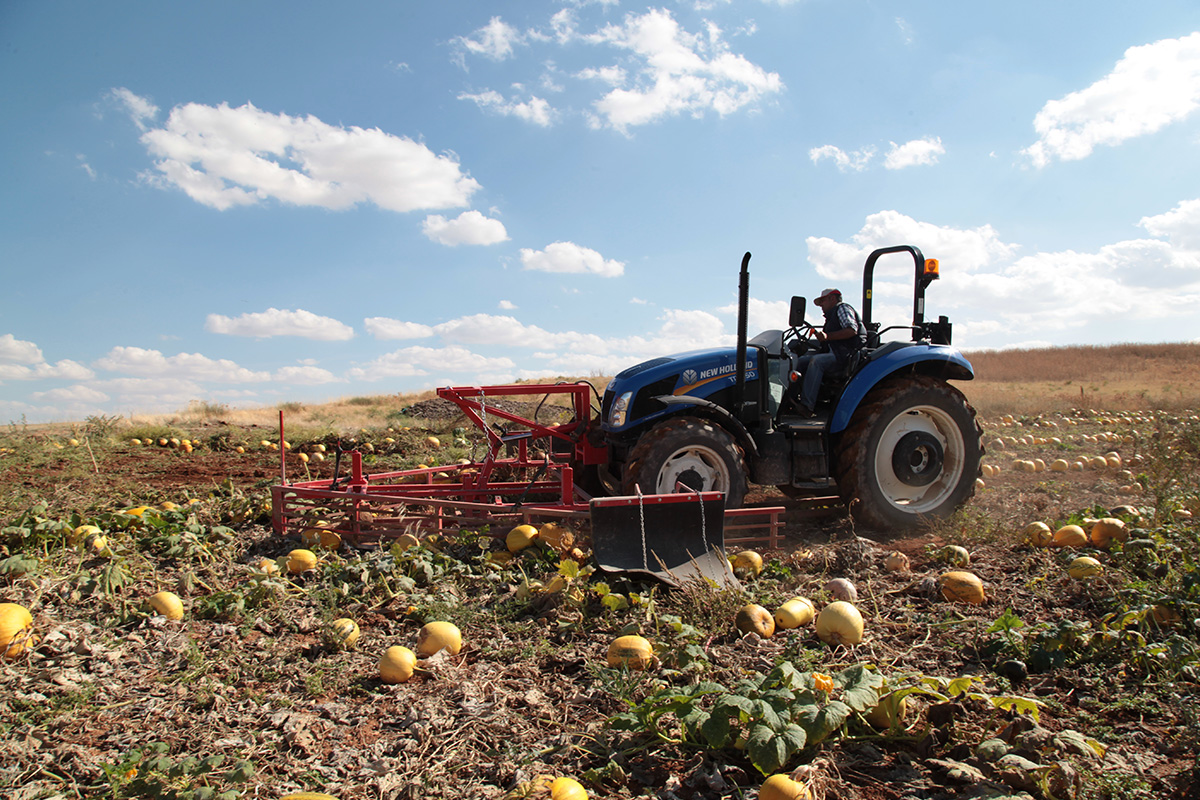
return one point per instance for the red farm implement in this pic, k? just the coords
(528, 474)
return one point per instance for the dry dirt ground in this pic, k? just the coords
(248, 681)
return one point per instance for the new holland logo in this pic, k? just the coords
(689, 376)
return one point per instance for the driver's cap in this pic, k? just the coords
(829, 293)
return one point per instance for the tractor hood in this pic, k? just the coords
(703, 374)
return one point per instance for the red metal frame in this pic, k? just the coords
(501, 489)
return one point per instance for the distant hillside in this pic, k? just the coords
(1119, 377)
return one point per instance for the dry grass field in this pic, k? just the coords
(1129, 377)
(1066, 682)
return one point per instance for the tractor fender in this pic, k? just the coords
(719, 415)
(939, 361)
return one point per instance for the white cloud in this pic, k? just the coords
(1140, 282)
(384, 328)
(568, 257)
(612, 75)
(183, 366)
(763, 315)
(506, 305)
(495, 40)
(535, 109)
(140, 110)
(72, 394)
(224, 157)
(918, 152)
(18, 351)
(469, 227)
(149, 395)
(65, 369)
(304, 376)
(856, 160)
(1152, 86)
(280, 322)
(1181, 225)
(677, 72)
(417, 360)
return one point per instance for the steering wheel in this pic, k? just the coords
(800, 337)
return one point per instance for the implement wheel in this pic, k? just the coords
(911, 452)
(691, 451)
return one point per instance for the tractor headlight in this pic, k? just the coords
(620, 409)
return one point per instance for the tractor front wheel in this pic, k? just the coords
(688, 451)
(911, 452)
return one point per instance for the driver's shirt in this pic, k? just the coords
(844, 316)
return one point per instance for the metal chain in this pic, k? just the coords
(642, 520)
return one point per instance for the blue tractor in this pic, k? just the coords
(891, 435)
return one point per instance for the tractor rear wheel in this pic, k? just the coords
(691, 451)
(911, 452)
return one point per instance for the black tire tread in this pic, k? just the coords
(851, 458)
(683, 426)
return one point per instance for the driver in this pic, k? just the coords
(842, 334)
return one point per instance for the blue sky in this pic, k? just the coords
(249, 203)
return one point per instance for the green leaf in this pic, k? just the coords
(959, 685)
(717, 731)
(768, 751)
(766, 713)
(693, 722)
(242, 771)
(615, 602)
(821, 721)
(860, 687)
(786, 674)
(1006, 622)
(733, 705)
(568, 568)
(794, 737)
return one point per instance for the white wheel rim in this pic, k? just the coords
(704, 462)
(920, 499)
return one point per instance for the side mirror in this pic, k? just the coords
(796, 315)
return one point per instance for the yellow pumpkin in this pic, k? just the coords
(753, 618)
(889, 713)
(782, 787)
(1070, 536)
(397, 664)
(520, 537)
(1104, 531)
(631, 651)
(748, 563)
(840, 623)
(794, 613)
(556, 536)
(343, 632)
(81, 533)
(564, 788)
(301, 561)
(404, 541)
(308, 796)
(1084, 567)
(16, 629)
(962, 587)
(1038, 534)
(955, 555)
(168, 604)
(437, 636)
